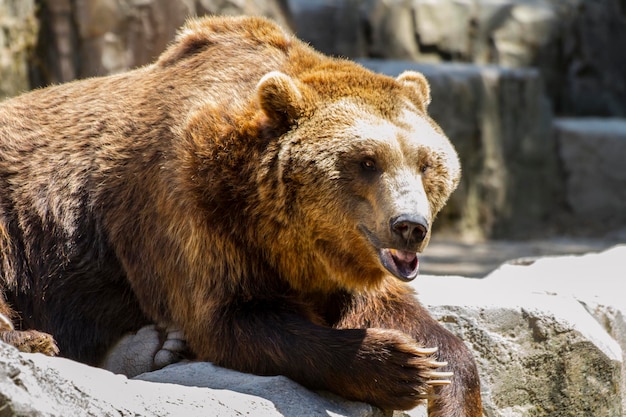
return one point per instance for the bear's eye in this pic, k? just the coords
(424, 168)
(369, 165)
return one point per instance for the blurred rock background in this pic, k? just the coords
(531, 92)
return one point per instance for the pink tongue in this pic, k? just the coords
(403, 256)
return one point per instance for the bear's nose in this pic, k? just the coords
(411, 228)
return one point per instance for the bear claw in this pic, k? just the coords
(439, 375)
(427, 351)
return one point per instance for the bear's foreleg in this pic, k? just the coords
(397, 308)
(280, 337)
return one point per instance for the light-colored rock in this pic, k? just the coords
(451, 256)
(289, 398)
(592, 153)
(539, 354)
(499, 121)
(596, 281)
(35, 385)
(505, 32)
(390, 29)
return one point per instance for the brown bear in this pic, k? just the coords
(266, 199)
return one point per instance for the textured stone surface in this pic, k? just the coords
(18, 36)
(578, 45)
(288, 398)
(35, 385)
(499, 121)
(593, 153)
(451, 256)
(596, 281)
(540, 333)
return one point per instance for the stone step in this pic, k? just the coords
(593, 158)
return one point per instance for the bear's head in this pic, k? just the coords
(358, 174)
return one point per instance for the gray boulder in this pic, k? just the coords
(595, 281)
(34, 385)
(287, 397)
(331, 26)
(544, 335)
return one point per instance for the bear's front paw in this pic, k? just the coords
(399, 373)
(149, 349)
(30, 341)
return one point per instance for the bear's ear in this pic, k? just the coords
(417, 87)
(280, 98)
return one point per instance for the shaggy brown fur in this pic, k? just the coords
(254, 193)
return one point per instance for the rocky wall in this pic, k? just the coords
(577, 45)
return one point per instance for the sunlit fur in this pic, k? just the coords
(221, 190)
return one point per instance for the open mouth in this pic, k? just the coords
(403, 265)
